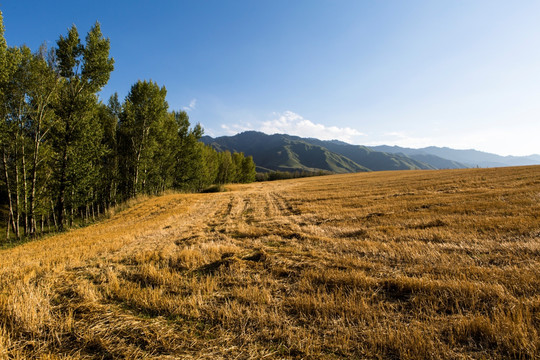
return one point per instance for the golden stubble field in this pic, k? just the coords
(386, 265)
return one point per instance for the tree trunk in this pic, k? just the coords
(71, 210)
(7, 227)
(143, 185)
(10, 199)
(139, 153)
(54, 216)
(134, 191)
(60, 202)
(25, 189)
(33, 181)
(38, 137)
(17, 199)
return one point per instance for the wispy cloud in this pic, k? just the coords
(191, 106)
(292, 123)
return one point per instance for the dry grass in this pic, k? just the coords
(399, 265)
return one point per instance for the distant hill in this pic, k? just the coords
(438, 162)
(284, 153)
(534, 157)
(280, 152)
(470, 158)
(374, 160)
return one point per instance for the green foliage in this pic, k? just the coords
(190, 167)
(248, 172)
(143, 114)
(27, 91)
(225, 168)
(68, 53)
(97, 64)
(83, 70)
(211, 162)
(3, 54)
(283, 175)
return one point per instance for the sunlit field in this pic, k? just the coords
(385, 265)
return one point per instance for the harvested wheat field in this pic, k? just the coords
(386, 265)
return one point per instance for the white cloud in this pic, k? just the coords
(191, 106)
(294, 124)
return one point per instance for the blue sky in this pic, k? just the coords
(463, 74)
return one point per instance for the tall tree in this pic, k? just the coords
(8, 132)
(189, 156)
(109, 116)
(225, 170)
(248, 170)
(161, 176)
(40, 92)
(143, 112)
(236, 172)
(12, 139)
(18, 115)
(84, 70)
(4, 137)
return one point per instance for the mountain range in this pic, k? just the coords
(281, 152)
(471, 158)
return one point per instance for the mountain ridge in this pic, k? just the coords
(469, 157)
(283, 152)
(280, 152)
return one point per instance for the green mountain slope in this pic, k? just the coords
(283, 153)
(437, 161)
(291, 153)
(374, 160)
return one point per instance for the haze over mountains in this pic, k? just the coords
(282, 152)
(470, 157)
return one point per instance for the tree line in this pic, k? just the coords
(66, 156)
(284, 175)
